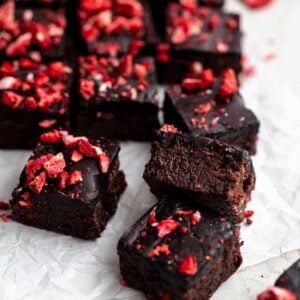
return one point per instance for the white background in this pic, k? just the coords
(36, 264)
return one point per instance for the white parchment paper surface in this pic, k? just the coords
(36, 264)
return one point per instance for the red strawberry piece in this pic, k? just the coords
(189, 4)
(140, 71)
(55, 165)
(135, 47)
(75, 177)
(76, 156)
(72, 142)
(62, 180)
(196, 217)
(126, 65)
(189, 266)
(231, 23)
(47, 123)
(207, 77)
(37, 184)
(7, 13)
(166, 227)
(104, 161)
(7, 69)
(255, 4)
(277, 293)
(11, 99)
(8, 83)
(87, 149)
(55, 70)
(51, 137)
(169, 128)
(158, 250)
(27, 63)
(249, 213)
(229, 84)
(152, 218)
(20, 45)
(204, 108)
(30, 103)
(129, 8)
(185, 212)
(213, 22)
(191, 84)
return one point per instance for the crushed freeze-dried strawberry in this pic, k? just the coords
(37, 184)
(249, 213)
(169, 128)
(196, 217)
(76, 156)
(87, 89)
(277, 293)
(166, 227)
(158, 250)
(229, 84)
(75, 177)
(47, 123)
(11, 99)
(62, 180)
(104, 162)
(51, 137)
(55, 70)
(256, 4)
(152, 218)
(189, 266)
(126, 65)
(55, 165)
(205, 108)
(87, 149)
(185, 212)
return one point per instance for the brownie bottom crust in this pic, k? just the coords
(148, 281)
(75, 220)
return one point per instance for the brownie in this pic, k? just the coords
(199, 34)
(179, 250)
(211, 106)
(202, 170)
(108, 27)
(38, 34)
(69, 185)
(117, 97)
(287, 286)
(33, 98)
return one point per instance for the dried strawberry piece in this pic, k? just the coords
(169, 128)
(87, 89)
(255, 4)
(87, 149)
(62, 180)
(207, 77)
(72, 142)
(163, 53)
(166, 227)
(189, 266)
(185, 212)
(277, 293)
(231, 23)
(7, 69)
(8, 83)
(47, 123)
(191, 84)
(55, 165)
(4, 205)
(179, 35)
(249, 213)
(56, 70)
(37, 184)
(190, 5)
(205, 108)
(158, 250)
(196, 217)
(129, 8)
(126, 65)
(27, 63)
(76, 156)
(7, 13)
(213, 22)
(104, 162)
(51, 137)
(140, 71)
(30, 103)
(135, 47)
(34, 165)
(11, 99)
(229, 84)
(75, 177)
(20, 45)
(152, 218)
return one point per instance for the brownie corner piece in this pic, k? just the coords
(70, 185)
(118, 97)
(207, 171)
(179, 251)
(34, 97)
(210, 105)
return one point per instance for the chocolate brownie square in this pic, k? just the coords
(199, 34)
(211, 106)
(180, 251)
(33, 98)
(202, 170)
(117, 97)
(69, 185)
(109, 27)
(38, 34)
(287, 286)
